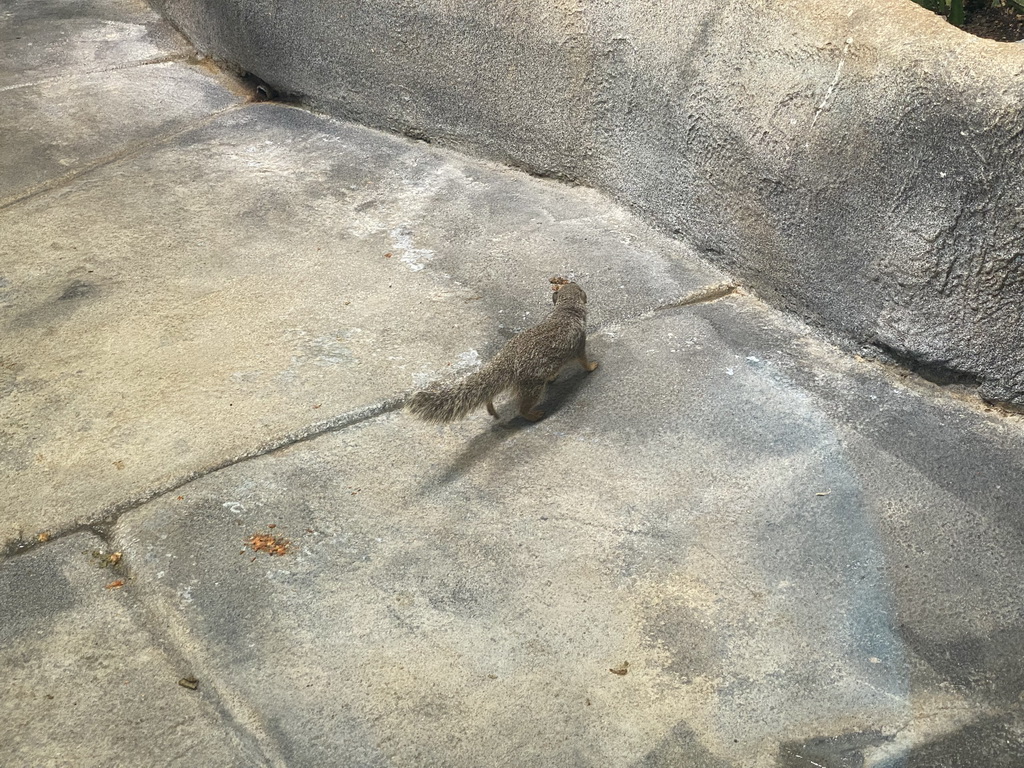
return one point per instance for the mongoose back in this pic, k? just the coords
(525, 365)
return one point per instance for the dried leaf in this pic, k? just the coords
(266, 542)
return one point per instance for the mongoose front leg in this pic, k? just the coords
(581, 356)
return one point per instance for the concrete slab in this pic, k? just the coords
(61, 127)
(799, 560)
(265, 275)
(84, 684)
(44, 39)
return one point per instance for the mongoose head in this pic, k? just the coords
(567, 292)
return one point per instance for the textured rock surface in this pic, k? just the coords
(208, 309)
(858, 163)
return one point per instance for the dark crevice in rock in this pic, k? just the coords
(936, 371)
(553, 174)
(259, 90)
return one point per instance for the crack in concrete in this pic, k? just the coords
(172, 641)
(183, 56)
(101, 524)
(231, 707)
(835, 81)
(122, 154)
(701, 296)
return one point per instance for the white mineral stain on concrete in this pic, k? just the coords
(402, 244)
(464, 363)
(468, 359)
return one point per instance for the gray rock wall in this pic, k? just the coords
(859, 163)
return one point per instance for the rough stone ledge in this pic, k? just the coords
(858, 165)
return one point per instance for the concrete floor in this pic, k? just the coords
(734, 544)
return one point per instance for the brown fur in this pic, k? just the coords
(527, 363)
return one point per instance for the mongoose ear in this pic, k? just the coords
(554, 293)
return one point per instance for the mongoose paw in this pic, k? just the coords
(591, 366)
(533, 415)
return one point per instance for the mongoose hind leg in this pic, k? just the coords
(534, 414)
(528, 398)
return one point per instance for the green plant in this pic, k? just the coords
(956, 12)
(951, 9)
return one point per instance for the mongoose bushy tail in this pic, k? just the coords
(455, 401)
(527, 363)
